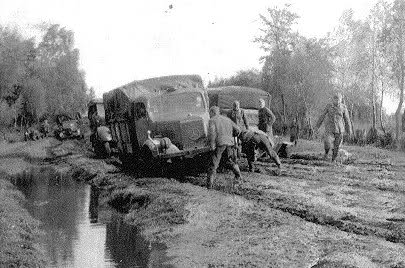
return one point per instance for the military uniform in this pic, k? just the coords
(257, 139)
(294, 132)
(266, 121)
(337, 120)
(239, 118)
(221, 131)
(95, 122)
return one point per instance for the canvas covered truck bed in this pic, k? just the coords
(247, 96)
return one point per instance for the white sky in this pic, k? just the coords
(125, 40)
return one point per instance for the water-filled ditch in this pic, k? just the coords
(77, 231)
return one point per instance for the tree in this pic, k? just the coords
(392, 39)
(277, 41)
(63, 80)
(308, 78)
(246, 78)
(40, 80)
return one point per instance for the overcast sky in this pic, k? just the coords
(121, 41)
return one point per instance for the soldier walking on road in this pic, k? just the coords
(266, 119)
(294, 131)
(258, 139)
(337, 121)
(221, 131)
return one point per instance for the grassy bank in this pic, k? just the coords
(19, 232)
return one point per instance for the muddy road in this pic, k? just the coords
(315, 214)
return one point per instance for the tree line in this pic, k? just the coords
(40, 79)
(364, 59)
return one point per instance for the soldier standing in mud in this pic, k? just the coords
(258, 139)
(337, 121)
(221, 131)
(266, 119)
(237, 115)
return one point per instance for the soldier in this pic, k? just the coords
(220, 135)
(294, 131)
(266, 119)
(237, 115)
(258, 139)
(95, 122)
(337, 121)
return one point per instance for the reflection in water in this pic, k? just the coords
(93, 207)
(78, 234)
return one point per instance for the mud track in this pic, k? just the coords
(315, 214)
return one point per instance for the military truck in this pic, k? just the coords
(158, 119)
(223, 97)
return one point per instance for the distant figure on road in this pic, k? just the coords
(294, 131)
(257, 139)
(221, 132)
(266, 119)
(237, 115)
(337, 120)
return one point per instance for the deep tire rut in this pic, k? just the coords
(349, 224)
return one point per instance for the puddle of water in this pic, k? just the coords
(77, 233)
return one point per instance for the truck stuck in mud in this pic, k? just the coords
(158, 119)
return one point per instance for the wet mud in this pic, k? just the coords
(315, 214)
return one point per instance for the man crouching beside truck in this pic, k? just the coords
(258, 139)
(221, 131)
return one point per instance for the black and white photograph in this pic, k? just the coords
(189, 133)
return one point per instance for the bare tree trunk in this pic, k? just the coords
(374, 113)
(284, 127)
(284, 109)
(15, 118)
(351, 116)
(372, 86)
(398, 120)
(381, 105)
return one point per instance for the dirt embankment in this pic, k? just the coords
(19, 231)
(314, 215)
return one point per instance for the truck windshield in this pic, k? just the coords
(177, 104)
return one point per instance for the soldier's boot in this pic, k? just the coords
(238, 178)
(236, 171)
(210, 180)
(325, 156)
(334, 154)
